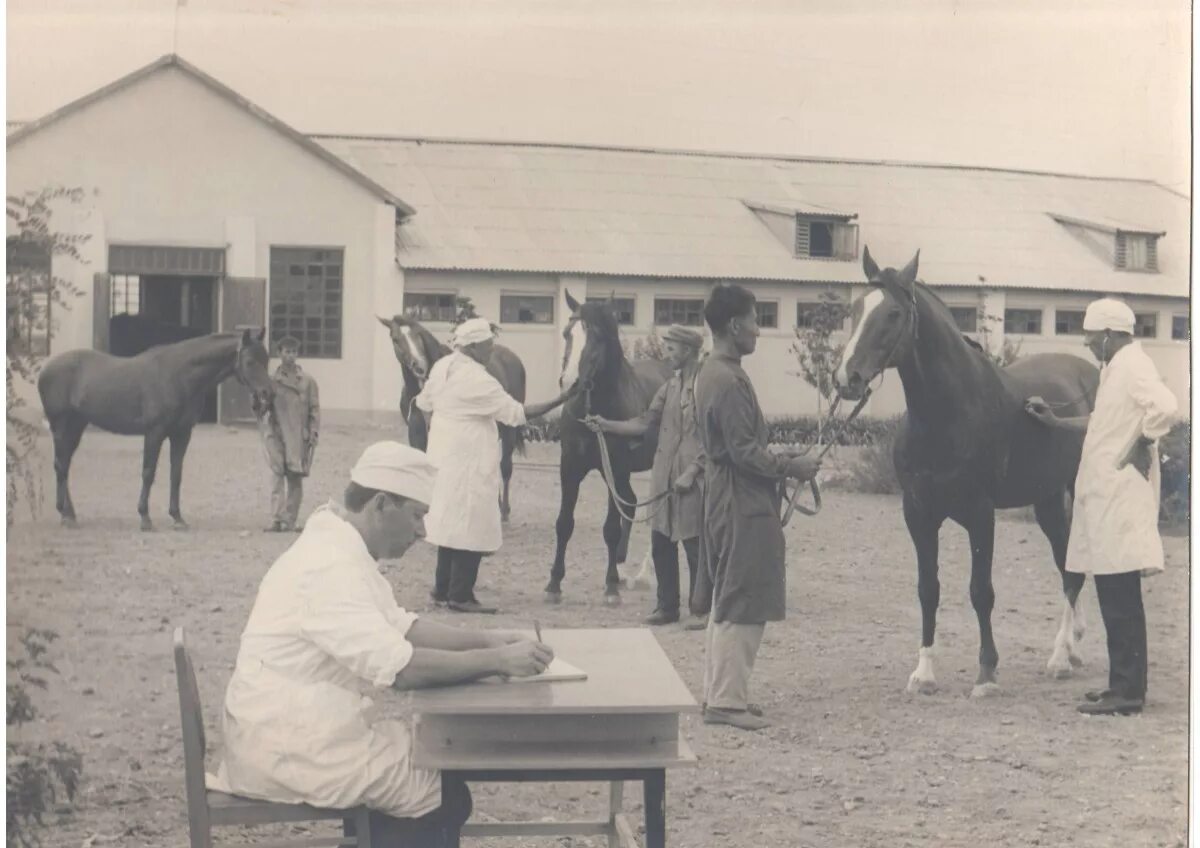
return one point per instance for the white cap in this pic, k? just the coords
(472, 331)
(1108, 314)
(396, 468)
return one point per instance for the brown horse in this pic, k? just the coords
(417, 349)
(608, 385)
(158, 394)
(966, 448)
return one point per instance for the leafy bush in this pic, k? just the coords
(1174, 456)
(39, 776)
(873, 472)
(785, 430)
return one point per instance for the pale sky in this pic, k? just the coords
(1091, 86)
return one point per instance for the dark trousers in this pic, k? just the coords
(456, 574)
(1125, 625)
(665, 554)
(431, 830)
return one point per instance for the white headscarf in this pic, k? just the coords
(471, 331)
(393, 467)
(1108, 314)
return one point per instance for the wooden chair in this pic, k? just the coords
(207, 809)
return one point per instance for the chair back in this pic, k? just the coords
(192, 722)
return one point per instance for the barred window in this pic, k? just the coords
(526, 309)
(687, 312)
(1145, 325)
(430, 306)
(306, 299)
(1023, 321)
(768, 313)
(826, 239)
(1181, 327)
(28, 297)
(1068, 322)
(623, 306)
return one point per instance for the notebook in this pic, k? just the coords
(558, 671)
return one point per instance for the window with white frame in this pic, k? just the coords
(1068, 322)
(686, 311)
(526, 309)
(306, 299)
(1026, 322)
(1145, 325)
(1181, 327)
(1137, 251)
(624, 307)
(768, 314)
(966, 318)
(431, 306)
(818, 238)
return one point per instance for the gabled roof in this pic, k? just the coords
(549, 208)
(18, 135)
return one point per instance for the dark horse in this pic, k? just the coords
(608, 385)
(967, 448)
(158, 394)
(417, 350)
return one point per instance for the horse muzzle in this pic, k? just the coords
(850, 387)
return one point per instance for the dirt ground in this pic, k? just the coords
(851, 759)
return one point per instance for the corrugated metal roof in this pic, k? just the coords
(625, 212)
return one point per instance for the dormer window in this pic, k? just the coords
(1137, 251)
(808, 231)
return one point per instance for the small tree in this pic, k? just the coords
(990, 325)
(647, 347)
(814, 348)
(34, 294)
(466, 311)
(38, 776)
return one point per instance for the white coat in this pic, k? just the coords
(466, 403)
(296, 727)
(1115, 525)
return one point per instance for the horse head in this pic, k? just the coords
(884, 327)
(412, 345)
(593, 343)
(250, 366)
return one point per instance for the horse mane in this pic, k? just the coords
(434, 349)
(600, 318)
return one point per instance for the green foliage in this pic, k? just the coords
(784, 430)
(815, 352)
(466, 311)
(39, 776)
(648, 347)
(990, 326)
(1174, 457)
(33, 293)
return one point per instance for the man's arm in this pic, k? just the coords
(433, 667)
(648, 420)
(314, 411)
(736, 417)
(425, 633)
(1039, 409)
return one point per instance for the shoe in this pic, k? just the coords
(741, 719)
(661, 616)
(471, 606)
(753, 709)
(1095, 695)
(297, 528)
(1112, 705)
(274, 527)
(696, 622)
(438, 601)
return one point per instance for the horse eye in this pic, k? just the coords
(893, 314)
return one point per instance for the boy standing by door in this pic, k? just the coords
(289, 429)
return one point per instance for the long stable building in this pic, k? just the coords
(205, 212)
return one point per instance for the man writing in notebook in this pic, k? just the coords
(325, 622)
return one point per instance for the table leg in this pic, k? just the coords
(616, 800)
(452, 833)
(655, 792)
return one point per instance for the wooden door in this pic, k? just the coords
(243, 306)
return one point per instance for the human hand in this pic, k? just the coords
(1139, 456)
(595, 423)
(523, 659)
(803, 468)
(684, 482)
(1040, 411)
(500, 638)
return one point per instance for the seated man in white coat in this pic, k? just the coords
(325, 622)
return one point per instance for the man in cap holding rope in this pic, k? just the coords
(742, 536)
(464, 517)
(1114, 529)
(296, 726)
(678, 467)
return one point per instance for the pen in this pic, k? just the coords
(537, 629)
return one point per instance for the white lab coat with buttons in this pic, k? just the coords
(1115, 525)
(296, 726)
(466, 403)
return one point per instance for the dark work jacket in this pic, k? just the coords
(742, 537)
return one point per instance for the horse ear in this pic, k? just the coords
(909, 275)
(572, 303)
(385, 322)
(869, 266)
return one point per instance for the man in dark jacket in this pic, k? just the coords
(289, 429)
(742, 535)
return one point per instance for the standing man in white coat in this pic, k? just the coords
(464, 517)
(1114, 531)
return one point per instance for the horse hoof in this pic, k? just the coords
(986, 690)
(70, 523)
(180, 525)
(612, 599)
(147, 525)
(922, 687)
(553, 597)
(1059, 671)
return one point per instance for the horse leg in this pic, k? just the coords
(179, 446)
(981, 528)
(1054, 519)
(150, 451)
(616, 529)
(506, 469)
(569, 480)
(67, 430)
(923, 529)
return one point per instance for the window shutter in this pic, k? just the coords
(845, 241)
(1151, 253)
(1120, 257)
(802, 237)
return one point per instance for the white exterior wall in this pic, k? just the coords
(167, 161)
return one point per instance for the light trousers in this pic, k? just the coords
(729, 652)
(286, 491)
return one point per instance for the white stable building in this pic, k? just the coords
(205, 212)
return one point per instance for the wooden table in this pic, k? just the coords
(622, 723)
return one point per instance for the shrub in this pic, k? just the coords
(873, 471)
(1174, 457)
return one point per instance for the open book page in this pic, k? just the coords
(558, 670)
